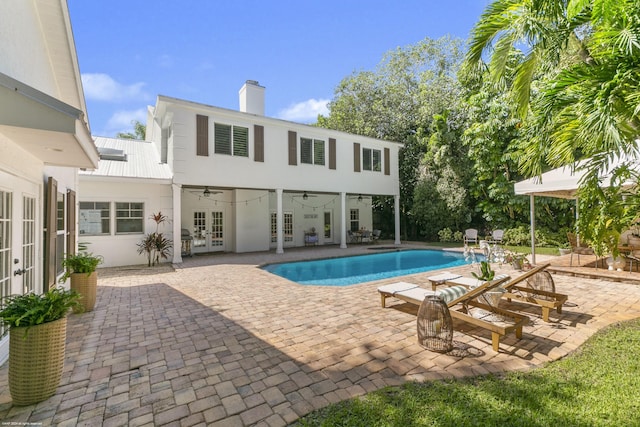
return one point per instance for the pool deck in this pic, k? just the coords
(216, 341)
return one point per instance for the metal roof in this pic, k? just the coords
(138, 159)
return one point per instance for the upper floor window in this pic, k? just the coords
(371, 159)
(312, 151)
(232, 140)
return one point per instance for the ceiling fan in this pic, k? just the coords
(304, 196)
(207, 192)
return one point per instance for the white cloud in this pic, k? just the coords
(306, 111)
(101, 87)
(121, 121)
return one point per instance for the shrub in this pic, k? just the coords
(445, 235)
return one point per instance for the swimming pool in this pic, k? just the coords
(365, 268)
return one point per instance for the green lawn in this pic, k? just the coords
(519, 249)
(599, 385)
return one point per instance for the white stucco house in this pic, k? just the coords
(44, 139)
(235, 181)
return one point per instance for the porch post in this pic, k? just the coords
(396, 213)
(279, 222)
(177, 223)
(343, 220)
(532, 212)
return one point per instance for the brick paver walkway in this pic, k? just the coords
(217, 341)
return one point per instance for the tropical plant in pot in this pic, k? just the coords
(38, 330)
(487, 274)
(81, 269)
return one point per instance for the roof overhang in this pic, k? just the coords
(46, 127)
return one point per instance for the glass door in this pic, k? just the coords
(328, 226)
(208, 231)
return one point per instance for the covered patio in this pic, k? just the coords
(217, 341)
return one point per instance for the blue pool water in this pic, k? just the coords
(365, 268)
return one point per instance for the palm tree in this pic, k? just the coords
(577, 85)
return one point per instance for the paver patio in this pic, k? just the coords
(217, 341)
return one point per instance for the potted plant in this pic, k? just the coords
(491, 297)
(38, 330)
(81, 269)
(564, 248)
(486, 272)
(517, 260)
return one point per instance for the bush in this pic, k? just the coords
(445, 235)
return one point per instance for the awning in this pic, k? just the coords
(46, 127)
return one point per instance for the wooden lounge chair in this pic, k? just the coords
(526, 288)
(459, 299)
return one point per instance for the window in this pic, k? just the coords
(312, 151)
(60, 233)
(371, 160)
(129, 217)
(287, 227)
(354, 218)
(232, 140)
(94, 218)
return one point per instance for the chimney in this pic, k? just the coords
(252, 98)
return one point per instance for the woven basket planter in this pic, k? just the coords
(36, 361)
(85, 284)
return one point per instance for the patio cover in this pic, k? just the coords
(562, 183)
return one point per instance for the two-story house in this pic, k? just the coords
(44, 139)
(235, 181)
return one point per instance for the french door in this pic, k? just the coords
(208, 231)
(18, 241)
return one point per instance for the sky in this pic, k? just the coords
(131, 51)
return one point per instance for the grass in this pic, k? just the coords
(520, 249)
(596, 386)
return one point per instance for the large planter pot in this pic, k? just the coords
(36, 359)
(85, 284)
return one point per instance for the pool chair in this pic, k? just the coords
(470, 236)
(460, 301)
(496, 236)
(536, 287)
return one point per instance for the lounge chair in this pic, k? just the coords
(470, 236)
(458, 299)
(539, 290)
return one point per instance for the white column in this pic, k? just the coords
(177, 223)
(532, 213)
(279, 222)
(343, 220)
(396, 214)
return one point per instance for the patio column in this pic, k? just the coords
(279, 222)
(396, 214)
(343, 220)
(532, 213)
(177, 223)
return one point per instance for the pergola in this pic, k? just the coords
(562, 183)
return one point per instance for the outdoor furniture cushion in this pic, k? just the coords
(451, 293)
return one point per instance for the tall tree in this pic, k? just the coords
(139, 131)
(586, 54)
(404, 92)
